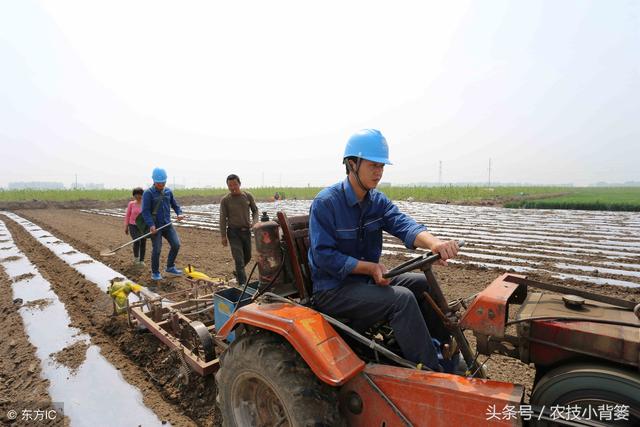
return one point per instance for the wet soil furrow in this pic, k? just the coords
(139, 356)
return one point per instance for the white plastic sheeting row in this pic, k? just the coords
(583, 244)
(90, 394)
(93, 270)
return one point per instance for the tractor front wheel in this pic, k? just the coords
(602, 393)
(263, 381)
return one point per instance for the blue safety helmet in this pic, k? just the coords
(159, 175)
(368, 144)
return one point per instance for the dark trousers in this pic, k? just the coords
(402, 304)
(171, 235)
(140, 246)
(240, 243)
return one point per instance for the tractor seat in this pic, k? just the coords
(295, 230)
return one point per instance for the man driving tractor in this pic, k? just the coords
(346, 222)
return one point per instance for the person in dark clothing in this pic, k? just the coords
(346, 222)
(236, 224)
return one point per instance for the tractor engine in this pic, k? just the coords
(274, 270)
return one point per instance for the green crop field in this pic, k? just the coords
(62, 195)
(468, 194)
(590, 198)
(451, 194)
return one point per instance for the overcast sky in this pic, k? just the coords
(271, 90)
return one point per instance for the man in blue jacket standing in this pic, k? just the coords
(345, 229)
(157, 202)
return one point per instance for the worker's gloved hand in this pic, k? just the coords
(152, 229)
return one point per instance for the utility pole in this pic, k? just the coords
(489, 171)
(76, 187)
(440, 173)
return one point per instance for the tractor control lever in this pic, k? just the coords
(416, 263)
(438, 302)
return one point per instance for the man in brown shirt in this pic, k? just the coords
(235, 224)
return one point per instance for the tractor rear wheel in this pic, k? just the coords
(263, 381)
(594, 388)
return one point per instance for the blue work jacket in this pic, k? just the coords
(163, 216)
(343, 231)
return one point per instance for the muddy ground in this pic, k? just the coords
(72, 356)
(141, 358)
(20, 374)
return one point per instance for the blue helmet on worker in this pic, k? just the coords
(159, 175)
(368, 144)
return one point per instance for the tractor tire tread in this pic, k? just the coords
(309, 401)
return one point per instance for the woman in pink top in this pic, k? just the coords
(133, 210)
